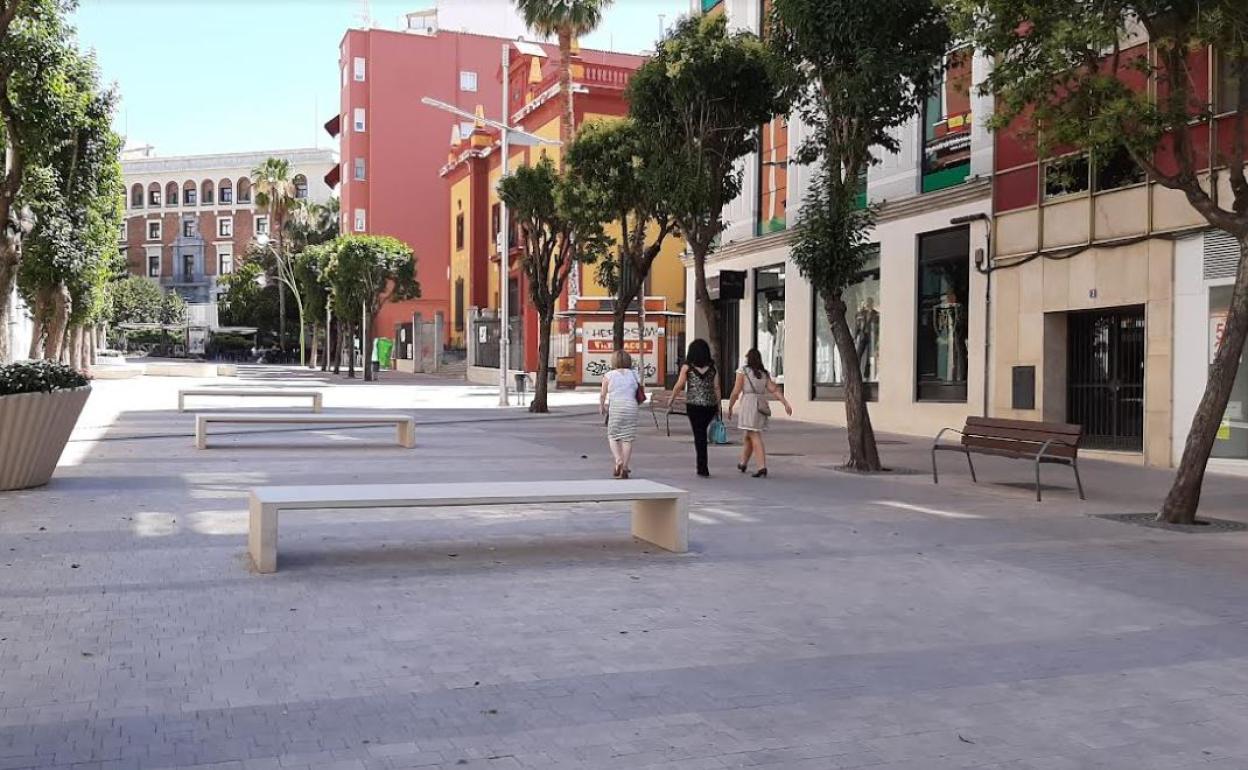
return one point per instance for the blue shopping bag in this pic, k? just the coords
(718, 432)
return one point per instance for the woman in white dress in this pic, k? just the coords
(753, 385)
(618, 400)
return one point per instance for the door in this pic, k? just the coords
(729, 312)
(1105, 377)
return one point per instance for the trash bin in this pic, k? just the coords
(382, 347)
(522, 381)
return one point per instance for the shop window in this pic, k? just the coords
(1232, 436)
(943, 315)
(947, 125)
(773, 177)
(1066, 176)
(1118, 169)
(862, 313)
(769, 318)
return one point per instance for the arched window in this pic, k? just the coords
(171, 194)
(136, 196)
(225, 191)
(205, 192)
(153, 194)
(189, 193)
(301, 187)
(244, 190)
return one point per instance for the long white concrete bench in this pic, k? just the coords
(315, 395)
(660, 513)
(404, 424)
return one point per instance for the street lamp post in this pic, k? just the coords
(509, 135)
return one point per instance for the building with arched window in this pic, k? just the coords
(190, 219)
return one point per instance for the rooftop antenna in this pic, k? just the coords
(662, 25)
(365, 13)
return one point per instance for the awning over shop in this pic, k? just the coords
(333, 126)
(334, 176)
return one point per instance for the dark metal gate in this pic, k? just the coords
(1105, 377)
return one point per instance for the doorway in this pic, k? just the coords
(1105, 377)
(729, 312)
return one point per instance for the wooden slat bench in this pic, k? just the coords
(404, 424)
(315, 395)
(659, 514)
(658, 403)
(1040, 442)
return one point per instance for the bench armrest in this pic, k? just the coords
(943, 431)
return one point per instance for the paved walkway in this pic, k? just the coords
(821, 619)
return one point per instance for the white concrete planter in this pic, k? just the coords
(34, 428)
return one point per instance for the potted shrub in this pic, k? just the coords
(39, 404)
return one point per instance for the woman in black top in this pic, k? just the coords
(700, 382)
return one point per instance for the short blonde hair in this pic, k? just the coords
(620, 359)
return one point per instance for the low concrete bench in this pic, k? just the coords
(315, 395)
(659, 516)
(404, 424)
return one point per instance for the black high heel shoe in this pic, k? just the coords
(742, 467)
(761, 474)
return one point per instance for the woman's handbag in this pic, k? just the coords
(641, 392)
(764, 406)
(718, 432)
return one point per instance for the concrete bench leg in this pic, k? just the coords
(664, 523)
(201, 433)
(181, 403)
(407, 434)
(316, 403)
(262, 537)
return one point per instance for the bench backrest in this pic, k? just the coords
(1022, 436)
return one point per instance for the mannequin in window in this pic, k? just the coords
(950, 321)
(866, 335)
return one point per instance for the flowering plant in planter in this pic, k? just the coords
(39, 405)
(39, 377)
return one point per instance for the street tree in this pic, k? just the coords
(854, 72)
(35, 44)
(704, 96)
(566, 21)
(1073, 75)
(625, 180)
(558, 230)
(275, 194)
(74, 190)
(366, 272)
(311, 226)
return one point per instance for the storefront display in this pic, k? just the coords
(862, 302)
(1232, 436)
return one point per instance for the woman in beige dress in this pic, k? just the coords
(752, 388)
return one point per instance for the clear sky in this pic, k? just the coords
(204, 76)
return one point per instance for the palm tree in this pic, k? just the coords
(275, 193)
(566, 20)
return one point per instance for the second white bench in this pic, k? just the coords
(404, 425)
(660, 513)
(315, 395)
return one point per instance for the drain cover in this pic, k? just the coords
(1150, 520)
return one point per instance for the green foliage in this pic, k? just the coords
(559, 226)
(1068, 76)
(246, 300)
(855, 72)
(135, 300)
(172, 309)
(39, 377)
(551, 17)
(703, 96)
(368, 271)
(625, 181)
(830, 237)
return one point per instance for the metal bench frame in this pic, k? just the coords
(678, 407)
(1041, 456)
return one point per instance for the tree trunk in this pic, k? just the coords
(620, 315)
(281, 316)
(8, 266)
(541, 385)
(349, 344)
(58, 321)
(38, 325)
(1184, 496)
(338, 347)
(91, 349)
(568, 119)
(316, 331)
(864, 455)
(707, 308)
(366, 348)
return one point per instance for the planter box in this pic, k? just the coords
(34, 428)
